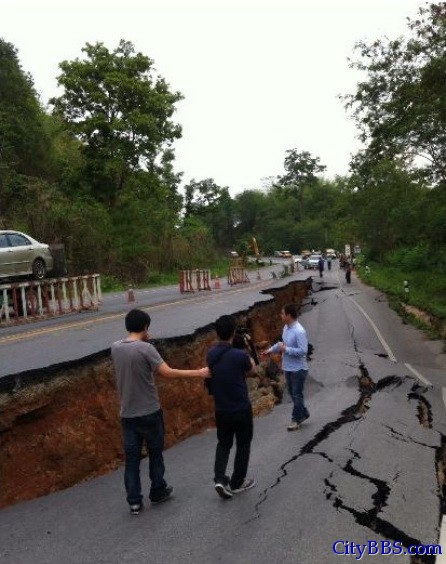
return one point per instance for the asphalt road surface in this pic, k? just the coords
(360, 475)
(43, 343)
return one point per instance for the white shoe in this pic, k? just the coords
(293, 426)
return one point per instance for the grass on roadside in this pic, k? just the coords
(426, 291)
(111, 283)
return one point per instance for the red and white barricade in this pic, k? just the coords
(32, 300)
(195, 280)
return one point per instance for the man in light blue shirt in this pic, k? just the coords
(294, 349)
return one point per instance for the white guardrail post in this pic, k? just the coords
(33, 300)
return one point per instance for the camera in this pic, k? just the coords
(241, 338)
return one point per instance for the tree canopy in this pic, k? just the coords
(120, 110)
(98, 173)
(400, 107)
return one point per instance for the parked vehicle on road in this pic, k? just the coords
(21, 255)
(283, 254)
(301, 261)
(314, 261)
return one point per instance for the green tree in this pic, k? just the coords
(23, 142)
(301, 173)
(200, 196)
(120, 110)
(400, 106)
(213, 205)
(301, 169)
(250, 210)
(390, 206)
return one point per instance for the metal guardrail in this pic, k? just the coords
(32, 300)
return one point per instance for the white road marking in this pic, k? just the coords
(389, 350)
(377, 331)
(419, 376)
(441, 558)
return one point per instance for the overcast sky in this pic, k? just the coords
(258, 77)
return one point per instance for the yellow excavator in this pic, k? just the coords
(255, 249)
(241, 259)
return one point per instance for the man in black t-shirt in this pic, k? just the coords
(233, 412)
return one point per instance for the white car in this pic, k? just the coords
(314, 261)
(21, 255)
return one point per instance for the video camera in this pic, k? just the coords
(242, 340)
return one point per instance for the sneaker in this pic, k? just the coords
(293, 426)
(167, 494)
(136, 508)
(247, 484)
(223, 491)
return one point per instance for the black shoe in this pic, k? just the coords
(247, 484)
(223, 491)
(136, 508)
(167, 494)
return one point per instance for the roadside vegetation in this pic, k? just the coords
(422, 288)
(95, 170)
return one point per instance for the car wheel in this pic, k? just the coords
(39, 269)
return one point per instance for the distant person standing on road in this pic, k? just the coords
(294, 349)
(320, 266)
(348, 273)
(136, 361)
(329, 259)
(229, 367)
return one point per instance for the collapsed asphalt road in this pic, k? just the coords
(366, 467)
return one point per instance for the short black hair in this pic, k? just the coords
(291, 309)
(136, 321)
(225, 327)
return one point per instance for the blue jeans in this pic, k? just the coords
(148, 428)
(295, 383)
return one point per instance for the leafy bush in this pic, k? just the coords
(414, 258)
(427, 289)
(111, 284)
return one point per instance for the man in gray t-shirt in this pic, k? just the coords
(135, 364)
(136, 361)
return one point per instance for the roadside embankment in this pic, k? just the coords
(60, 425)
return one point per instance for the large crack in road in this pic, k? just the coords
(371, 518)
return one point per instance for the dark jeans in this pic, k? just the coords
(148, 428)
(295, 383)
(240, 424)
